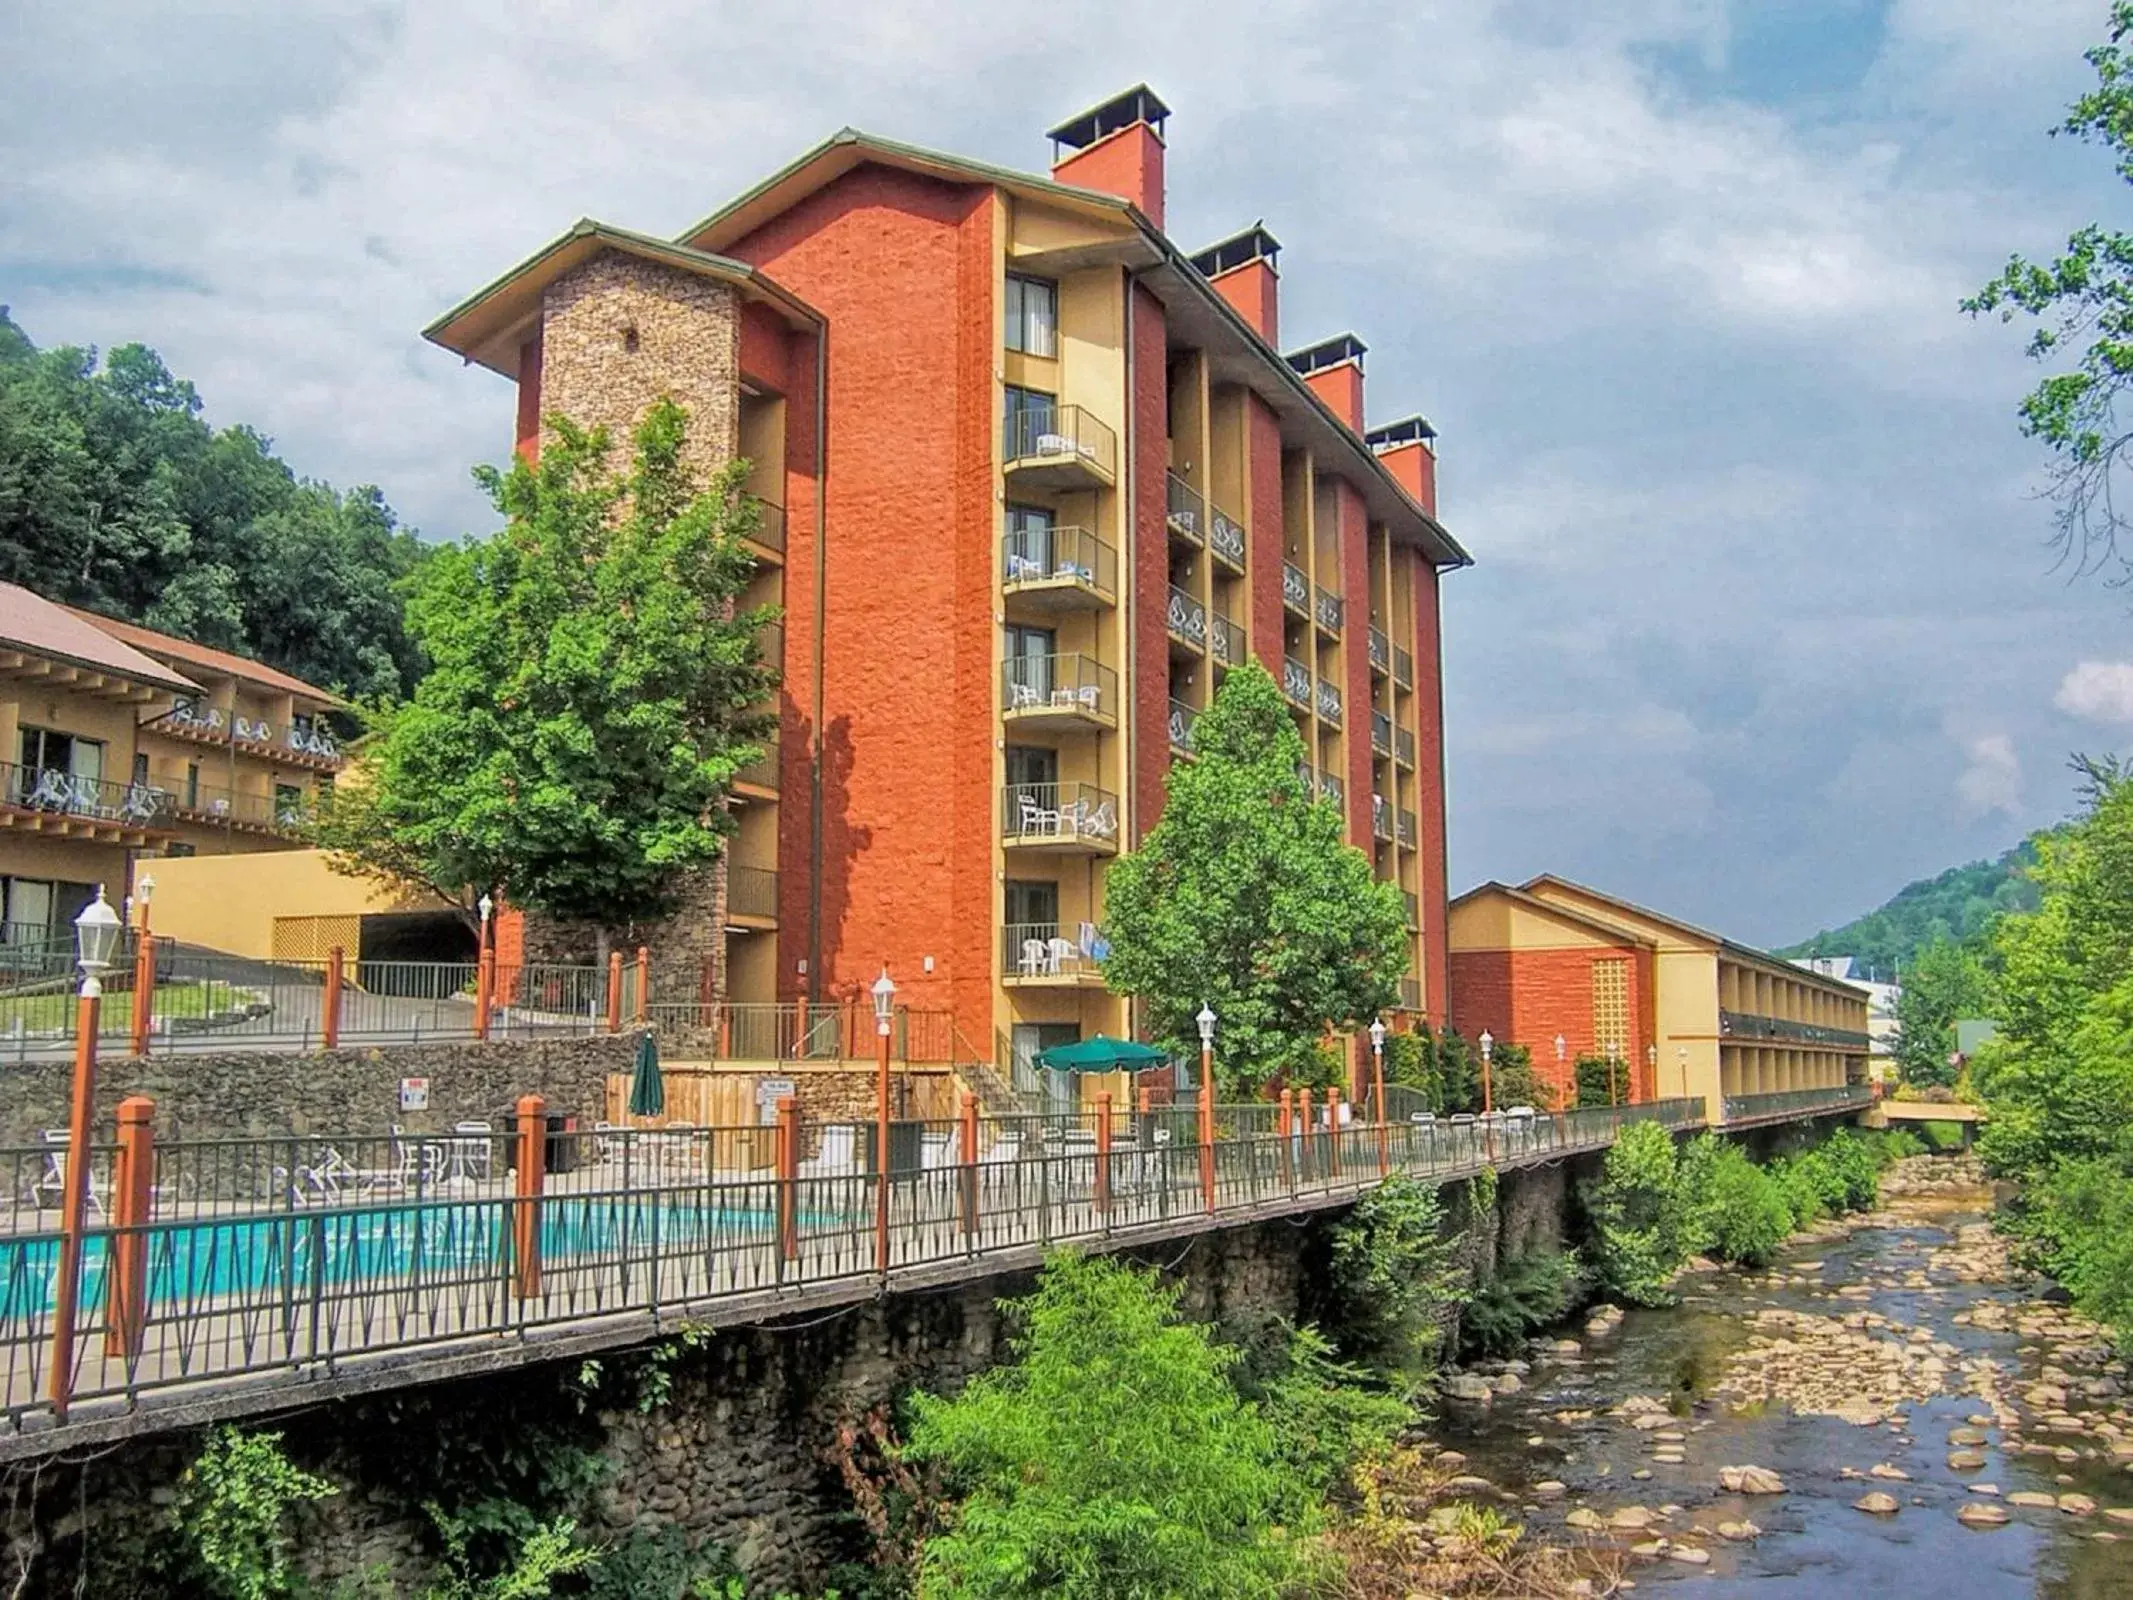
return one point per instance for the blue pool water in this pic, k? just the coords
(257, 1259)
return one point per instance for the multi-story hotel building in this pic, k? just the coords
(125, 743)
(1034, 479)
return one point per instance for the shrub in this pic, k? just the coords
(1744, 1209)
(1512, 1081)
(1595, 1073)
(232, 1507)
(1391, 1284)
(1638, 1215)
(1942, 1136)
(1326, 1414)
(1532, 1290)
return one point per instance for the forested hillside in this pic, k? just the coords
(1959, 905)
(115, 495)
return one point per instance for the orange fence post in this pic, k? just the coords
(1333, 1130)
(969, 1153)
(644, 984)
(1103, 1153)
(789, 1177)
(132, 1191)
(614, 991)
(484, 991)
(73, 1200)
(799, 1029)
(144, 991)
(1285, 1127)
(335, 975)
(1310, 1128)
(526, 1215)
(1207, 1125)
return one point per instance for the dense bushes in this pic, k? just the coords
(1637, 1211)
(1391, 1282)
(1533, 1290)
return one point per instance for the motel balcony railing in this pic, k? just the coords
(1068, 559)
(1380, 817)
(1295, 589)
(1296, 682)
(1183, 719)
(1380, 649)
(1059, 814)
(1381, 733)
(1414, 909)
(1185, 509)
(752, 892)
(1068, 684)
(1403, 667)
(1789, 1104)
(1331, 788)
(1405, 829)
(1741, 1025)
(1227, 638)
(1225, 537)
(1040, 952)
(1410, 994)
(1329, 702)
(1307, 778)
(761, 773)
(55, 791)
(1062, 435)
(1186, 619)
(1403, 747)
(240, 808)
(769, 531)
(1330, 612)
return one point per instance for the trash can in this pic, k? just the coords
(906, 1147)
(561, 1153)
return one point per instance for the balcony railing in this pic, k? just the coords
(1182, 719)
(1296, 682)
(1403, 667)
(770, 524)
(1059, 815)
(1295, 589)
(1037, 952)
(1329, 703)
(1308, 778)
(1227, 638)
(1069, 684)
(1187, 619)
(1074, 560)
(752, 892)
(1380, 651)
(762, 774)
(51, 790)
(1331, 788)
(1225, 537)
(1414, 909)
(1407, 834)
(1380, 817)
(1381, 733)
(193, 718)
(1789, 1104)
(1061, 439)
(1329, 611)
(1403, 747)
(1745, 1025)
(238, 808)
(1185, 510)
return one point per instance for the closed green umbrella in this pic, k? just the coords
(648, 1092)
(1100, 1054)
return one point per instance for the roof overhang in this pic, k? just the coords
(1556, 911)
(491, 325)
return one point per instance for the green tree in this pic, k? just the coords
(1111, 1459)
(1944, 983)
(2083, 301)
(233, 1507)
(1244, 897)
(593, 689)
(1391, 1282)
(1640, 1217)
(1962, 905)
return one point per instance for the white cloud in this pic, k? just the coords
(1993, 779)
(2098, 691)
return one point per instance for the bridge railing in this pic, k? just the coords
(219, 1261)
(1790, 1103)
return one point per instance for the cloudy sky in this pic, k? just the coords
(1763, 624)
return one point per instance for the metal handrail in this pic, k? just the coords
(751, 891)
(1381, 733)
(1061, 432)
(1330, 612)
(1226, 537)
(1295, 589)
(1296, 682)
(1227, 637)
(1186, 618)
(1032, 557)
(1329, 701)
(1067, 681)
(1182, 720)
(54, 789)
(1380, 650)
(1049, 813)
(1184, 509)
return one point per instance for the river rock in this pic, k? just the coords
(1967, 1437)
(1981, 1514)
(1966, 1460)
(1888, 1472)
(1739, 1531)
(2119, 1514)
(1631, 1518)
(1587, 1518)
(1688, 1554)
(1750, 1480)
(1508, 1383)
(1983, 1488)
(1878, 1501)
(2034, 1499)
(1467, 1386)
(2077, 1505)
(1549, 1489)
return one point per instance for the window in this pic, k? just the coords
(1029, 665)
(288, 803)
(192, 786)
(44, 750)
(1032, 316)
(140, 768)
(1031, 415)
(1033, 907)
(1029, 542)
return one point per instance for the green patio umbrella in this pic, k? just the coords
(1100, 1054)
(648, 1094)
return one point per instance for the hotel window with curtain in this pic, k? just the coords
(1032, 316)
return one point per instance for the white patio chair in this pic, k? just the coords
(473, 1149)
(1101, 823)
(1036, 818)
(54, 1181)
(1024, 696)
(1033, 958)
(1006, 1149)
(1061, 956)
(1089, 697)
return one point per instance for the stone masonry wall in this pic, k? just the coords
(238, 1093)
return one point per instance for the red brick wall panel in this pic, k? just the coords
(796, 721)
(767, 350)
(1127, 163)
(528, 443)
(1254, 291)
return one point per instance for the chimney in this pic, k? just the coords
(1242, 270)
(1409, 452)
(1116, 147)
(1334, 370)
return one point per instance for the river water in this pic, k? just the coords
(1905, 1270)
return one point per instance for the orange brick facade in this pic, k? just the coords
(1530, 997)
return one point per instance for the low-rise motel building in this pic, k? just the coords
(126, 745)
(1033, 479)
(1686, 1012)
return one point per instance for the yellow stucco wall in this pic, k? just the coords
(230, 902)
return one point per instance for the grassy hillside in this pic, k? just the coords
(1959, 904)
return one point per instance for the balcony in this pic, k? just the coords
(1410, 994)
(1307, 778)
(1295, 589)
(1225, 537)
(1060, 447)
(759, 779)
(49, 801)
(1406, 829)
(1186, 619)
(768, 536)
(312, 741)
(1329, 704)
(1743, 1025)
(1183, 718)
(1069, 819)
(1414, 910)
(1380, 733)
(1296, 682)
(1329, 611)
(1331, 788)
(1058, 569)
(751, 896)
(1380, 652)
(1403, 747)
(1380, 817)
(1185, 511)
(238, 810)
(1227, 638)
(1067, 690)
(1034, 955)
(1403, 667)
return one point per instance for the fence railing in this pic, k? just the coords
(1057, 433)
(817, 1031)
(1789, 1103)
(1050, 557)
(57, 791)
(1067, 683)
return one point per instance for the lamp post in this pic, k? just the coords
(1651, 1065)
(1563, 1078)
(1206, 1020)
(484, 969)
(141, 893)
(1377, 1087)
(884, 1009)
(96, 935)
(1614, 1055)
(1488, 1093)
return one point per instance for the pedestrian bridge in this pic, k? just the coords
(221, 1278)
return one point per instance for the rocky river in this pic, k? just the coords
(1890, 1408)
